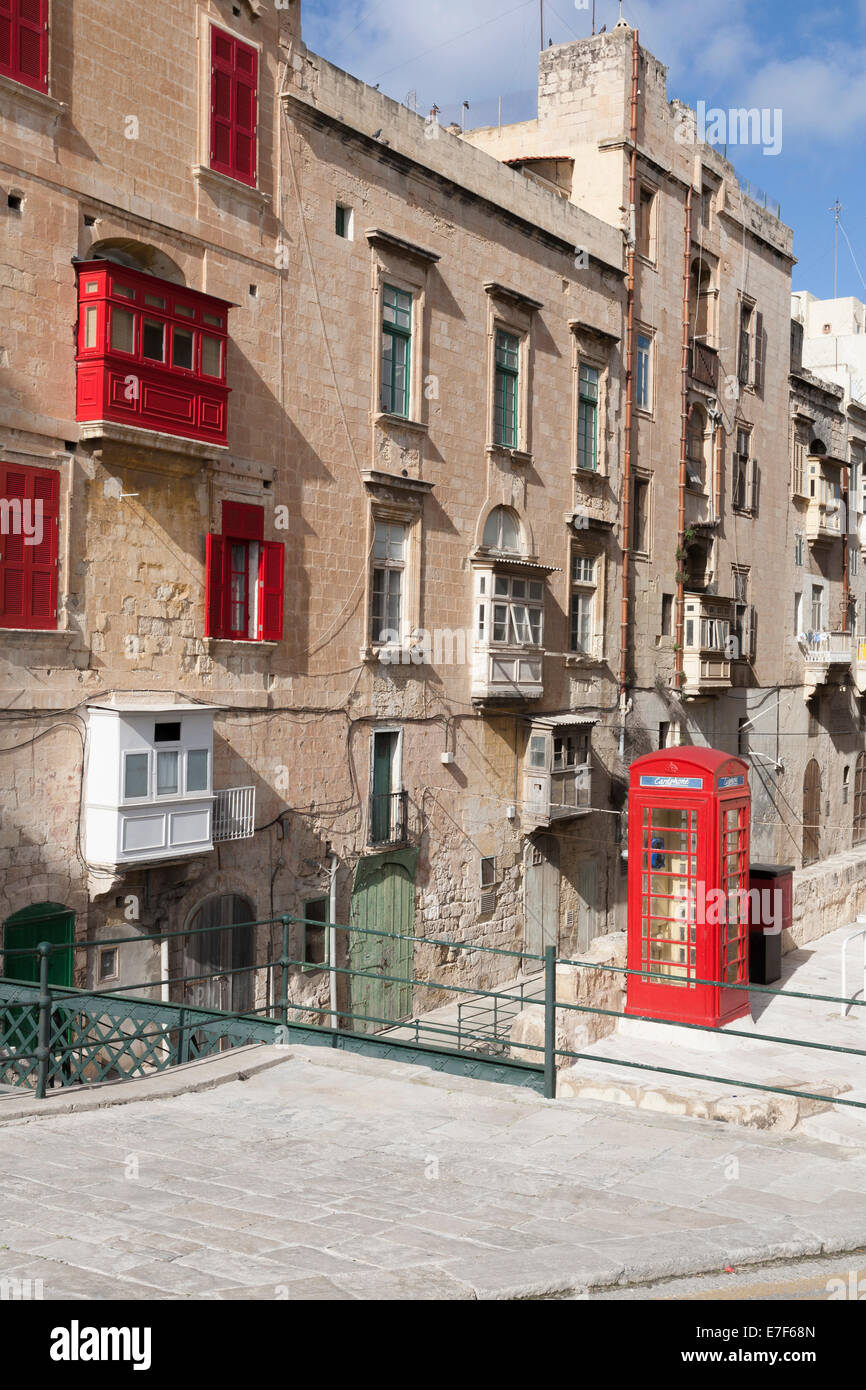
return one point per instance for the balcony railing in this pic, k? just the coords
(826, 648)
(388, 818)
(703, 364)
(234, 813)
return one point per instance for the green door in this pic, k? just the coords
(24, 930)
(383, 900)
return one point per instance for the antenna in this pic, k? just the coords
(835, 209)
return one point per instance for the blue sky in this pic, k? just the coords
(807, 58)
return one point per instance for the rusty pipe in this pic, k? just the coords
(679, 676)
(627, 461)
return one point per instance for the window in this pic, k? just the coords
(24, 42)
(743, 726)
(587, 417)
(744, 618)
(570, 752)
(167, 768)
(517, 610)
(640, 516)
(136, 776)
(29, 521)
(846, 785)
(645, 218)
(233, 107)
(854, 559)
(244, 578)
(166, 732)
(664, 733)
(197, 760)
(153, 340)
(488, 871)
(744, 491)
(799, 547)
(744, 362)
(643, 390)
(389, 569)
(798, 613)
(108, 963)
(695, 446)
(502, 530)
(343, 221)
(314, 950)
(583, 592)
(706, 205)
(752, 348)
(798, 467)
(396, 350)
(505, 394)
(667, 614)
(816, 612)
(122, 331)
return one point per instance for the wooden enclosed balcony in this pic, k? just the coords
(151, 355)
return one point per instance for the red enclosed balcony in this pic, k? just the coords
(151, 354)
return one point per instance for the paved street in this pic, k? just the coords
(339, 1177)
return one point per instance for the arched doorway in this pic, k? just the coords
(24, 930)
(811, 812)
(220, 958)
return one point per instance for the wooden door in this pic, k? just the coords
(812, 812)
(541, 897)
(24, 931)
(383, 901)
(587, 902)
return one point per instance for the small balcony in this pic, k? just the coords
(706, 645)
(826, 657)
(389, 818)
(557, 776)
(507, 673)
(234, 814)
(703, 365)
(151, 356)
(823, 521)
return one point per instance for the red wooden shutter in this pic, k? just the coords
(28, 567)
(243, 521)
(23, 42)
(216, 587)
(31, 43)
(246, 103)
(271, 592)
(234, 106)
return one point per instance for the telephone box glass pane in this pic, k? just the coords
(735, 871)
(669, 896)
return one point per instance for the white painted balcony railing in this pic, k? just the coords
(826, 648)
(234, 813)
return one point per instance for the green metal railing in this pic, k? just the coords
(54, 1036)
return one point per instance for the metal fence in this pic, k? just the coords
(54, 1036)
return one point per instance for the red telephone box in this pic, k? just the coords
(688, 882)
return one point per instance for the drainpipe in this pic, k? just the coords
(629, 395)
(684, 425)
(332, 936)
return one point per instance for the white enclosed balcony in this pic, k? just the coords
(508, 651)
(860, 664)
(149, 785)
(706, 644)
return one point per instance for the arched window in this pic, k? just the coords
(812, 812)
(502, 530)
(860, 799)
(219, 958)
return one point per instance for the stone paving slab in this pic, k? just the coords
(329, 1176)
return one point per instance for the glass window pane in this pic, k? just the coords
(215, 319)
(135, 775)
(196, 770)
(211, 355)
(182, 341)
(185, 311)
(166, 773)
(153, 340)
(156, 301)
(122, 330)
(124, 291)
(90, 316)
